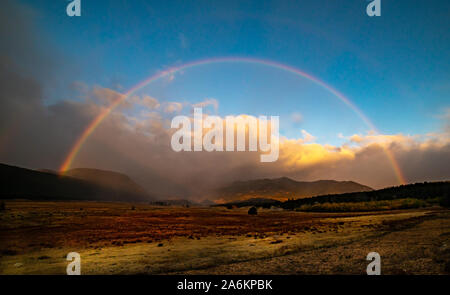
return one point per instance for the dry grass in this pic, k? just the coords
(114, 239)
(418, 246)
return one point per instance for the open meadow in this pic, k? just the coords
(122, 238)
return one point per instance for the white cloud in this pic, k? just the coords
(173, 107)
(307, 137)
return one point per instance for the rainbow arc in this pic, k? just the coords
(170, 71)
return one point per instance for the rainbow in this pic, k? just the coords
(96, 122)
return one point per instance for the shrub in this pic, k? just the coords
(445, 201)
(2, 206)
(252, 211)
(365, 206)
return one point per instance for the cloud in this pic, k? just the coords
(445, 116)
(147, 101)
(106, 96)
(307, 137)
(207, 102)
(173, 107)
(356, 138)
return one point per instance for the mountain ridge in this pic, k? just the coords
(284, 188)
(23, 183)
(119, 182)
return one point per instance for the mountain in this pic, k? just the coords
(119, 183)
(85, 184)
(285, 188)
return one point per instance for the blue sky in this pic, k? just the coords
(395, 68)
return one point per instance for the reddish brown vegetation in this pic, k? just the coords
(34, 225)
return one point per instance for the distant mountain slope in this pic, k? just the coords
(438, 191)
(427, 190)
(117, 182)
(285, 188)
(90, 184)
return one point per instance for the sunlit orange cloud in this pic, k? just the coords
(296, 153)
(385, 140)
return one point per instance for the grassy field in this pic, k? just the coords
(120, 238)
